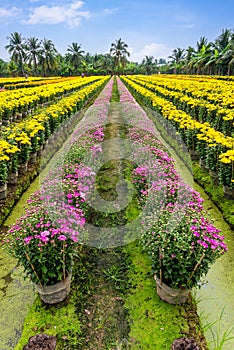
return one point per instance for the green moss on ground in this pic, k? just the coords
(115, 92)
(215, 192)
(59, 321)
(155, 324)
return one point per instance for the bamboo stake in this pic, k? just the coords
(33, 269)
(196, 266)
(160, 264)
(64, 272)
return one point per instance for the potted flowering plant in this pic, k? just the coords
(182, 246)
(6, 150)
(180, 240)
(3, 172)
(44, 241)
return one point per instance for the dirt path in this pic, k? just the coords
(105, 323)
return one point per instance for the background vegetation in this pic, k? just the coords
(32, 56)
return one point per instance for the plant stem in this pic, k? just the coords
(27, 256)
(160, 257)
(196, 266)
(64, 272)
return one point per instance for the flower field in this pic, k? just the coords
(201, 110)
(23, 100)
(112, 209)
(28, 123)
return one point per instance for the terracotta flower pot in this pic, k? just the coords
(23, 168)
(55, 293)
(170, 295)
(13, 178)
(3, 191)
(33, 158)
(228, 192)
(194, 155)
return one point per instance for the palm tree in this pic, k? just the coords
(148, 64)
(228, 55)
(212, 62)
(3, 68)
(190, 52)
(48, 55)
(177, 58)
(119, 51)
(202, 57)
(202, 41)
(34, 50)
(223, 40)
(75, 55)
(223, 45)
(16, 49)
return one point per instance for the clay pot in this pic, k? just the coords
(171, 295)
(55, 293)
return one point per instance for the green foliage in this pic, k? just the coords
(24, 154)
(3, 172)
(215, 192)
(115, 92)
(219, 337)
(61, 322)
(154, 323)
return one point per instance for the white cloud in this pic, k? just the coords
(105, 12)
(69, 13)
(157, 50)
(110, 11)
(6, 13)
(185, 26)
(184, 19)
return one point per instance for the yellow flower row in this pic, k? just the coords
(6, 149)
(36, 82)
(169, 111)
(227, 157)
(213, 96)
(205, 78)
(16, 80)
(18, 134)
(13, 101)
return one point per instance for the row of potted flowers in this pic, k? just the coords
(22, 100)
(214, 92)
(180, 239)
(45, 239)
(219, 112)
(24, 139)
(15, 80)
(202, 140)
(32, 82)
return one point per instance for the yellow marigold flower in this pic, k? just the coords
(225, 160)
(4, 157)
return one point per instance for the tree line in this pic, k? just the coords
(31, 56)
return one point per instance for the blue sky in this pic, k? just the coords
(149, 27)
